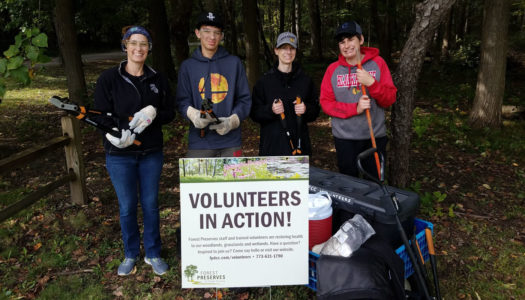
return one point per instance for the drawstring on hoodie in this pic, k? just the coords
(210, 80)
(349, 76)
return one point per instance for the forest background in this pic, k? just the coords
(456, 132)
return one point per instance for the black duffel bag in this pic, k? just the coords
(374, 271)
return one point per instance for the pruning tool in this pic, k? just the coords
(299, 125)
(206, 108)
(82, 113)
(282, 118)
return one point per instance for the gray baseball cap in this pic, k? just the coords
(286, 38)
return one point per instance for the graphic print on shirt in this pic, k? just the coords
(219, 87)
(350, 81)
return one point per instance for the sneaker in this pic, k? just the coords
(159, 266)
(127, 267)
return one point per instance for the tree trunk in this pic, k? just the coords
(315, 34)
(180, 28)
(459, 22)
(268, 54)
(251, 41)
(429, 15)
(161, 52)
(298, 16)
(383, 26)
(486, 109)
(231, 26)
(208, 5)
(281, 16)
(445, 41)
(293, 28)
(67, 42)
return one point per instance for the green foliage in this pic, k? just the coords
(79, 221)
(507, 140)
(99, 22)
(74, 287)
(430, 202)
(420, 123)
(29, 44)
(170, 131)
(492, 261)
(9, 197)
(468, 53)
(25, 13)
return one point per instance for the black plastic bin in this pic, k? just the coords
(351, 195)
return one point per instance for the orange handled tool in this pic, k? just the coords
(84, 114)
(369, 120)
(286, 130)
(299, 125)
(432, 252)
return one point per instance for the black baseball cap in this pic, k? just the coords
(209, 18)
(348, 28)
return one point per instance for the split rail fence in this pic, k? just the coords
(70, 140)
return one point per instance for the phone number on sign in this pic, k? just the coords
(268, 256)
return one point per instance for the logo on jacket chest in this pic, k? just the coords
(219, 87)
(350, 80)
(153, 88)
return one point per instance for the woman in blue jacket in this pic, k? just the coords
(134, 89)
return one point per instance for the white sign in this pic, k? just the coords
(244, 221)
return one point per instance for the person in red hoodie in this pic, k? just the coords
(342, 99)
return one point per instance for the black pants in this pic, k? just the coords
(347, 151)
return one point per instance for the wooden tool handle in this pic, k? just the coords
(430, 241)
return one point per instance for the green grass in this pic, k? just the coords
(451, 128)
(496, 273)
(11, 196)
(75, 287)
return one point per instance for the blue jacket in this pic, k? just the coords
(122, 95)
(221, 79)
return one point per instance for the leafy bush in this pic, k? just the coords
(468, 53)
(29, 45)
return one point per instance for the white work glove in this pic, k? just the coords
(124, 141)
(195, 117)
(142, 119)
(226, 124)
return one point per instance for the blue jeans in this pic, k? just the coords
(134, 175)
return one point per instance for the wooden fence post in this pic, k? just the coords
(74, 159)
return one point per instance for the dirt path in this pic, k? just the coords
(91, 57)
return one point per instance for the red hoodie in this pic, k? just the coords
(340, 92)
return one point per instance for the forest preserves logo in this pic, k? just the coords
(219, 87)
(196, 277)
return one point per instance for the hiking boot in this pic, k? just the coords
(127, 266)
(159, 266)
